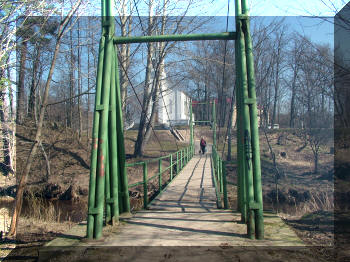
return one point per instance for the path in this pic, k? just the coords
(184, 214)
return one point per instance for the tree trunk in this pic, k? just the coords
(80, 128)
(125, 22)
(158, 81)
(12, 125)
(316, 162)
(292, 105)
(71, 83)
(21, 91)
(32, 92)
(5, 129)
(276, 94)
(139, 145)
(47, 161)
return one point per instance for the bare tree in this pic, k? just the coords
(23, 178)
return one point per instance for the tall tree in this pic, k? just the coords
(23, 178)
(139, 145)
(44, 31)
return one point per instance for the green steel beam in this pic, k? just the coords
(94, 146)
(171, 167)
(225, 185)
(203, 103)
(103, 138)
(112, 144)
(125, 205)
(259, 218)
(145, 187)
(108, 188)
(160, 175)
(191, 127)
(214, 124)
(167, 38)
(246, 122)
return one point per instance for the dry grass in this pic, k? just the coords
(319, 201)
(41, 210)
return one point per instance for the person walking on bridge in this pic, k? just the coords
(203, 144)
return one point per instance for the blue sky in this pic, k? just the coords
(257, 7)
(319, 30)
(283, 7)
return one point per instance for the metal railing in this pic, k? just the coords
(178, 160)
(219, 177)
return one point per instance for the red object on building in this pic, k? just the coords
(194, 102)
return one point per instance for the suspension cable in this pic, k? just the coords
(138, 15)
(138, 99)
(228, 121)
(223, 110)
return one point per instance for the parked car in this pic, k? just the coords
(276, 126)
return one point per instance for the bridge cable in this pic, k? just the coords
(143, 31)
(223, 111)
(138, 15)
(161, 93)
(138, 99)
(228, 121)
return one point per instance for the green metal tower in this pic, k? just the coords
(108, 189)
(249, 177)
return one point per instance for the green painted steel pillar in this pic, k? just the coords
(125, 200)
(177, 162)
(171, 167)
(242, 205)
(113, 200)
(214, 124)
(108, 190)
(221, 177)
(191, 129)
(181, 159)
(160, 175)
(258, 200)
(218, 171)
(103, 138)
(225, 185)
(99, 146)
(246, 122)
(92, 211)
(187, 154)
(145, 189)
(108, 186)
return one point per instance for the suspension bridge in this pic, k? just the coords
(191, 208)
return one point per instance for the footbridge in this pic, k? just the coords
(191, 207)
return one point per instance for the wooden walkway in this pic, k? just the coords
(184, 215)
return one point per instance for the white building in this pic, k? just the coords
(173, 105)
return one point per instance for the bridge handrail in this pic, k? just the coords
(182, 156)
(219, 173)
